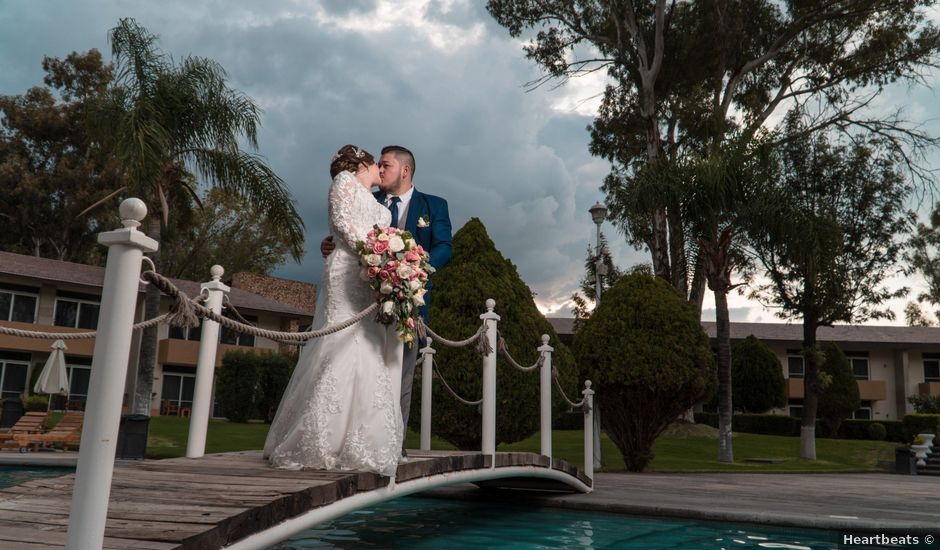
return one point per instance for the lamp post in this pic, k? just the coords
(598, 215)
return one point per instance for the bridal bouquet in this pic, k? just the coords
(397, 269)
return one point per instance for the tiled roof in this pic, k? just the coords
(45, 269)
(793, 333)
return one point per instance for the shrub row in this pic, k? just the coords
(769, 424)
(250, 385)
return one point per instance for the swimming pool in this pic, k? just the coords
(427, 523)
(14, 475)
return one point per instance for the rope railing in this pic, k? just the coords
(483, 345)
(576, 405)
(501, 344)
(439, 376)
(227, 304)
(74, 335)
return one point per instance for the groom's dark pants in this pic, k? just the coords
(409, 361)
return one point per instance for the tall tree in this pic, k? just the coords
(924, 258)
(50, 172)
(828, 237)
(682, 75)
(170, 123)
(587, 289)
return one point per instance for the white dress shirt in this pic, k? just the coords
(402, 206)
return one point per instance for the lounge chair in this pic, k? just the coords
(68, 433)
(29, 423)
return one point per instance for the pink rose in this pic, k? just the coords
(396, 280)
(401, 295)
(411, 323)
(392, 264)
(412, 256)
(380, 246)
(373, 271)
(384, 275)
(420, 250)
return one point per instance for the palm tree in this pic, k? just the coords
(173, 126)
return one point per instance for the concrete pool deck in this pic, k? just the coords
(818, 501)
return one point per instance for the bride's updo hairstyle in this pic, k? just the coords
(350, 158)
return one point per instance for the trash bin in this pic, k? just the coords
(11, 410)
(132, 436)
(905, 461)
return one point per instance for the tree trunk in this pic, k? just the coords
(725, 409)
(810, 388)
(147, 362)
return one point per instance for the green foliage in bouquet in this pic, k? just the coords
(649, 359)
(476, 272)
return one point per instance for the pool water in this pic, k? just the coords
(426, 523)
(14, 475)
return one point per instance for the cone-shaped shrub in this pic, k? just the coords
(757, 377)
(476, 272)
(838, 396)
(649, 359)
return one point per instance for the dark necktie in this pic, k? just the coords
(393, 208)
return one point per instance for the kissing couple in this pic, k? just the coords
(348, 401)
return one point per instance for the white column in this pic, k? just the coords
(126, 247)
(588, 394)
(205, 367)
(490, 319)
(427, 377)
(545, 386)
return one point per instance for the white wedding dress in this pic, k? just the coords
(341, 409)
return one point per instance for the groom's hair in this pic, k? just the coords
(403, 155)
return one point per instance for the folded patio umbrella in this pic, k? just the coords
(54, 379)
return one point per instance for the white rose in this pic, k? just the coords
(382, 237)
(395, 244)
(405, 271)
(419, 297)
(386, 288)
(373, 259)
(387, 307)
(415, 284)
(410, 244)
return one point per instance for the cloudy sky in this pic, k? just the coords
(437, 76)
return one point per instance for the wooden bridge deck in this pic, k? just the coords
(219, 499)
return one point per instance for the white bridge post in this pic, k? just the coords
(205, 367)
(588, 394)
(427, 377)
(490, 319)
(545, 386)
(126, 247)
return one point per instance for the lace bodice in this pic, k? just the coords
(353, 211)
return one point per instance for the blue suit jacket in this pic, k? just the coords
(436, 238)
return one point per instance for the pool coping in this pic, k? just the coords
(866, 502)
(57, 460)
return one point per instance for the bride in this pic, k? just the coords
(341, 408)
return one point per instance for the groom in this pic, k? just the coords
(427, 219)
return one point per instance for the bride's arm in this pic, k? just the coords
(342, 209)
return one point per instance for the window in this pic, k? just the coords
(18, 303)
(179, 385)
(13, 377)
(79, 376)
(227, 336)
(76, 310)
(931, 368)
(186, 333)
(859, 363)
(794, 364)
(863, 413)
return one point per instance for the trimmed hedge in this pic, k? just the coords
(771, 424)
(920, 423)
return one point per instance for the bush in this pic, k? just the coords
(35, 402)
(862, 429)
(757, 377)
(236, 385)
(476, 272)
(877, 431)
(925, 404)
(838, 395)
(920, 423)
(645, 350)
(274, 372)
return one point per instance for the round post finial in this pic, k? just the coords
(545, 339)
(132, 211)
(587, 384)
(490, 305)
(430, 341)
(216, 271)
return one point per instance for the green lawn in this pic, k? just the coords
(673, 453)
